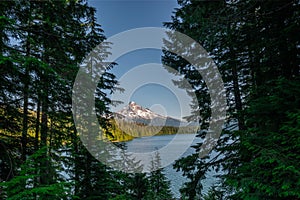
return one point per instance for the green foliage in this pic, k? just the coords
(124, 131)
(121, 197)
(27, 183)
(194, 169)
(159, 186)
(257, 53)
(139, 185)
(41, 45)
(214, 193)
(275, 144)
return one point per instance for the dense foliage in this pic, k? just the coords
(124, 130)
(42, 44)
(256, 47)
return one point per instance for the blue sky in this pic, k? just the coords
(118, 16)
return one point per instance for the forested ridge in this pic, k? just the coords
(255, 45)
(124, 131)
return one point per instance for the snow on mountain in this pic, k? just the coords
(136, 113)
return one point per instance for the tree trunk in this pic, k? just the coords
(237, 93)
(237, 98)
(45, 177)
(37, 124)
(25, 103)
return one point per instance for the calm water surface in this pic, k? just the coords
(148, 144)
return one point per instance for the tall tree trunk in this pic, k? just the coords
(45, 178)
(25, 103)
(44, 125)
(25, 114)
(77, 161)
(237, 98)
(237, 93)
(37, 124)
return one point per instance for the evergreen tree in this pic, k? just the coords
(255, 48)
(159, 186)
(27, 185)
(42, 44)
(138, 185)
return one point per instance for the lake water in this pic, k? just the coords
(148, 144)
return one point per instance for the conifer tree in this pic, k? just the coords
(159, 186)
(254, 46)
(42, 44)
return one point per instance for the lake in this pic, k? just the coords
(148, 144)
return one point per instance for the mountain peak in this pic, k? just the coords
(132, 103)
(136, 113)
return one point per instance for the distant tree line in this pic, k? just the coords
(121, 130)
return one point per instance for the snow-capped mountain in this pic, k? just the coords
(136, 113)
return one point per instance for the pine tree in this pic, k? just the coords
(10, 115)
(26, 184)
(254, 46)
(159, 186)
(42, 44)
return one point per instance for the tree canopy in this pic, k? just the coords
(256, 48)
